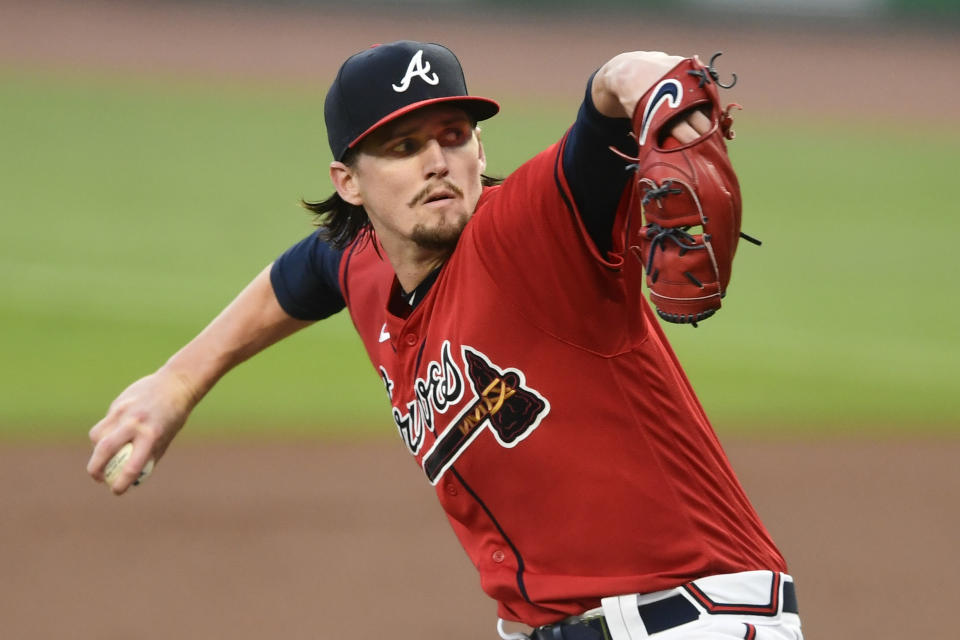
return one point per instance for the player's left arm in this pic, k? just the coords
(624, 79)
(596, 176)
(685, 189)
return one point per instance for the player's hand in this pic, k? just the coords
(691, 127)
(148, 413)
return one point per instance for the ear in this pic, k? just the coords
(483, 155)
(344, 179)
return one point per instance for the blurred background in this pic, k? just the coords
(153, 154)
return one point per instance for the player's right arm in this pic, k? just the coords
(151, 411)
(299, 288)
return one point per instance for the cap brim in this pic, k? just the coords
(479, 108)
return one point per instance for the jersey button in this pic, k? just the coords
(499, 556)
(451, 489)
(410, 339)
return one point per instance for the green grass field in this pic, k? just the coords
(132, 213)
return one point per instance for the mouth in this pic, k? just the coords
(439, 196)
(436, 194)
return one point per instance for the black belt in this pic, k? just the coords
(657, 616)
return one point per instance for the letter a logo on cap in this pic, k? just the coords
(416, 68)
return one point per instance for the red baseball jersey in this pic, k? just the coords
(539, 396)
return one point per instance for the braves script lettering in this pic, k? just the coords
(416, 68)
(442, 387)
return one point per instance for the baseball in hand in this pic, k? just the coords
(115, 466)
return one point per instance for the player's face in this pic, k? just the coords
(419, 177)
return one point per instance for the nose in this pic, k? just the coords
(434, 160)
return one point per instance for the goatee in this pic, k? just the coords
(443, 237)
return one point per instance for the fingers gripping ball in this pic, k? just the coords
(117, 462)
(688, 195)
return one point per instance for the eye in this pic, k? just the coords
(403, 147)
(454, 136)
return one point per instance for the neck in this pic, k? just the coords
(410, 274)
(411, 261)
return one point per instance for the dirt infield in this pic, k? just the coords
(327, 541)
(311, 540)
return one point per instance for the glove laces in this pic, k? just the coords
(679, 236)
(709, 72)
(661, 192)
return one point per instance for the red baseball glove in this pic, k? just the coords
(688, 193)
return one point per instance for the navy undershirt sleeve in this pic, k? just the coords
(306, 279)
(596, 175)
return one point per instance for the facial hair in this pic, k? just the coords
(442, 237)
(423, 193)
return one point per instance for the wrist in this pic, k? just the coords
(602, 94)
(184, 383)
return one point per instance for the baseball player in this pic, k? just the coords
(526, 373)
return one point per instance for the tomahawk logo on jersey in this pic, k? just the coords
(500, 400)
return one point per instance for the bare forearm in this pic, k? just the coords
(620, 84)
(622, 81)
(248, 325)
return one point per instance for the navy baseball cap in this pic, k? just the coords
(387, 81)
